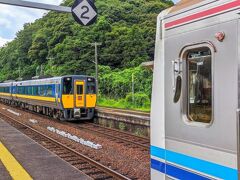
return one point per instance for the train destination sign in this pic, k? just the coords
(84, 12)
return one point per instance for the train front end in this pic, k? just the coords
(78, 97)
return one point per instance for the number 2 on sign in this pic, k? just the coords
(86, 10)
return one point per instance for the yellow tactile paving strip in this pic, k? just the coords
(16, 171)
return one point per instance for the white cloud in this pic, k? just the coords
(5, 23)
(3, 41)
(13, 18)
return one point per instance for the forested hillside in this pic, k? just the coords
(126, 29)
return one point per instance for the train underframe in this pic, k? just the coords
(63, 115)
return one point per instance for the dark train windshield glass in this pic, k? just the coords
(199, 72)
(91, 88)
(67, 86)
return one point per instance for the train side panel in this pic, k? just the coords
(194, 126)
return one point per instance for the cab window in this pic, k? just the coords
(67, 86)
(91, 88)
(199, 85)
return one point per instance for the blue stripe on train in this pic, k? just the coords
(203, 166)
(174, 171)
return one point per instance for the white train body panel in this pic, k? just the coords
(197, 136)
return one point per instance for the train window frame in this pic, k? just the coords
(185, 89)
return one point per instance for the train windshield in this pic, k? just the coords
(91, 86)
(199, 75)
(67, 86)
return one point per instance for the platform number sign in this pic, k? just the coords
(84, 12)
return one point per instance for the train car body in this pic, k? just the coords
(66, 98)
(195, 98)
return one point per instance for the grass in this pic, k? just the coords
(120, 103)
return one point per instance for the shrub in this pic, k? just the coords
(138, 99)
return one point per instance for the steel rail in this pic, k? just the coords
(119, 138)
(119, 131)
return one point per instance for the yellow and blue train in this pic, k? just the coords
(65, 98)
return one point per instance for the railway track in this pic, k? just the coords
(88, 166)
(113, 134)
(125, 111)
(117, 135)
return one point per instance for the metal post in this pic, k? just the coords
(96, 61)
(41, 74)
(133, 99)
(36, 5)
(19, 71)
(37, 68)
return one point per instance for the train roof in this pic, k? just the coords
(52, 80)
(184, 4)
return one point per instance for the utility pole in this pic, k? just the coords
(19, 72)
(133, 93)
(96, 61)
(41, 72)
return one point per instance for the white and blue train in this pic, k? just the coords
(195, 128)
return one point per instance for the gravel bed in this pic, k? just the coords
(132, 162)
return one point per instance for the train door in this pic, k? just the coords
(201, 100)
(79, 93)
(57, 94)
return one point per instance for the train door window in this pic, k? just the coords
(79, 89)
(199, 85)
(67, 86)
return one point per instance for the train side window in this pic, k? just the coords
(35, 90)
(25, 90)
(30, 90)
(21, 90)
(199, 85)
(49, 91)
(42, 89)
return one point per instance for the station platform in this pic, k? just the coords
(22, 158)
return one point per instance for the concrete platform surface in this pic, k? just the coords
(38, 162)
(4, 173)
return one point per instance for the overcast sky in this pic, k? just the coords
(175, 1)
(13, 18)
